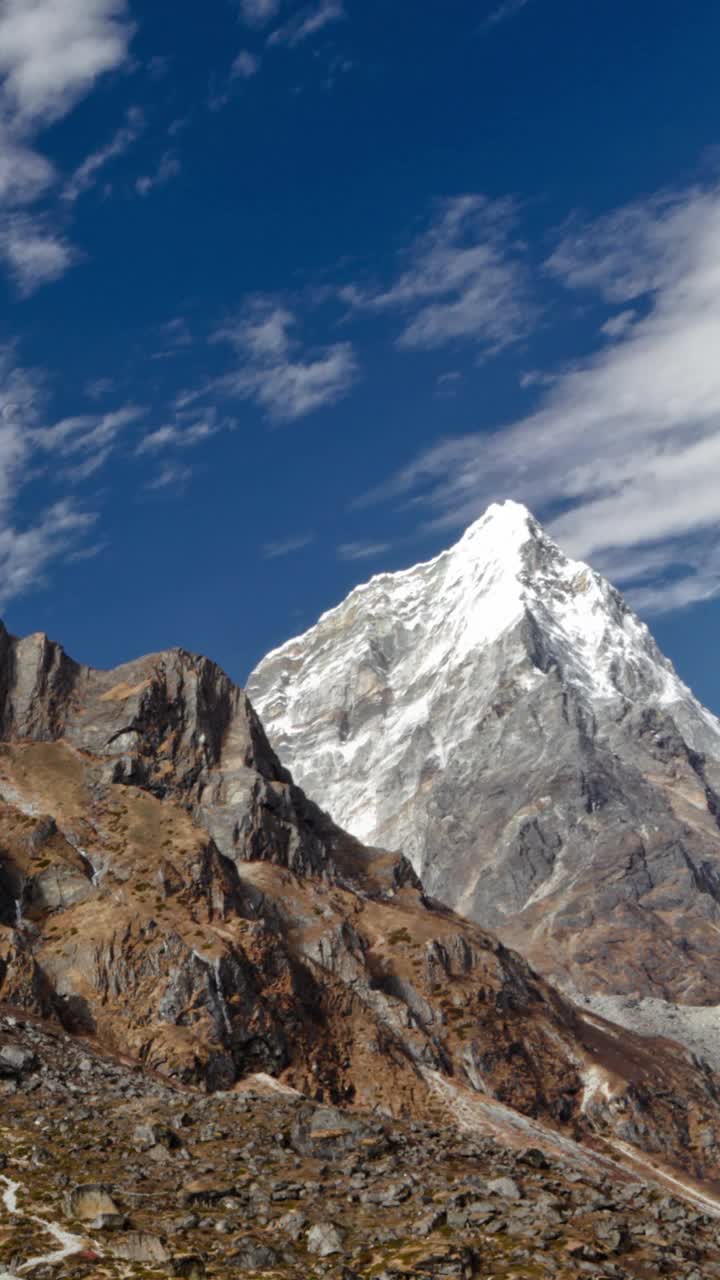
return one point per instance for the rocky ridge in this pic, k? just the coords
(503, 717)
(166, 889)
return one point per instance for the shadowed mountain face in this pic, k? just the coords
(501, 716)
(167, 890)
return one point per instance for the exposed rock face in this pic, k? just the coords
(175, 725)
(169, 891)
(501, 716)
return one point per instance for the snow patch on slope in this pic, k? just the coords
(696, 1026)
(595, 1082)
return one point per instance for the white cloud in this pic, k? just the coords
(176, 336)
(641, 248)
(274, 371)
(85, 176)
(537, 378)
(502, 13)
(264, 332)
(361, 550)
(259, 12)
(308, 22)
(245, 66)
(619, 324)
(293, 388)
(85, 432)
(20, 400)
(88, 467)
(171, 476)
(465, 279)
(626, 444)
(98, 388)
(286, 546)
(85, 442)
(24, 173)
(52, 52)
(25, 554)
(168, 169)
(90, 552)
(34, 252)
(26, 551)
(157, 440)
(71, 450)
(188, 429)
(446, 384)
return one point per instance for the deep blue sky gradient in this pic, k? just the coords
(319, 170)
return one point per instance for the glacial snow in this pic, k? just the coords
(391, 676)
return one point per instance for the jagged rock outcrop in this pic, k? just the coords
(501, 716)
(175, 725)
(167, 890)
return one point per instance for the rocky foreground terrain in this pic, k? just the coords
(106, 1171)
(501, 716)
(177, 919)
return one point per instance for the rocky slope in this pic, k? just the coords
(109, 1172)
(168, 891)
(501, 716)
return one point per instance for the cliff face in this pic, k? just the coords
(167, 890)
(174, 725)
(501, 716)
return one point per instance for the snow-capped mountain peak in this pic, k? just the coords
(477, 710)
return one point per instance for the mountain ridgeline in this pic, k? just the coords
(168, 894)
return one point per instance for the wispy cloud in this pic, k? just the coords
(361, 550)
(619, 324)
(52, 53)
(33, 250)
(634, 251)
(175, 337)
(308, 22)
(626, 445)
(27, 550)
(274, 370)
(503, 12)
(245, 66)
(257, 13)
(168, 168)
(446, 384)
(172, 477)
(24, 173)
(98, 388)
(86, 175)
(84, 443)
(187, 430)
(27, 553)
(90, 552)
(464, 278)
(286, 546)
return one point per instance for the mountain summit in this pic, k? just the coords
(502, 716)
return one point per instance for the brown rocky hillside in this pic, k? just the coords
(167, 893)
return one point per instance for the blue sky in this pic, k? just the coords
(291, 291)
